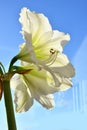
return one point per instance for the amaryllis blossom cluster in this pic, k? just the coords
(42, 52)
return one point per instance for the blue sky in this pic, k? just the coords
(64, 15)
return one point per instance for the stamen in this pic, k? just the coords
(52, 51)
(52, 57)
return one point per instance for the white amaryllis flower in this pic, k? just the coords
(32, 86)
(42, 48)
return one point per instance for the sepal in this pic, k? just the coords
(21, 69)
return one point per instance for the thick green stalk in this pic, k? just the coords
(12, 62)
(9, 106)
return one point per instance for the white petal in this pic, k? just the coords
(23, 98)
(61, 60)
(46, 101)
(24, 20)
(58, 40)
(63, 66)
(66, 84)
(53, 40)
(14, 82)
(34, 23)
(27, 51)
(65, 71)
(23, 101)
(42, 41)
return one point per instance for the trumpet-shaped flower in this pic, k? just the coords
(32, 86)
(43, 48)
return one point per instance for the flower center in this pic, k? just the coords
(52, 57)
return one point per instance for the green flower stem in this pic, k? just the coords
(12, 62)
(9, 106)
